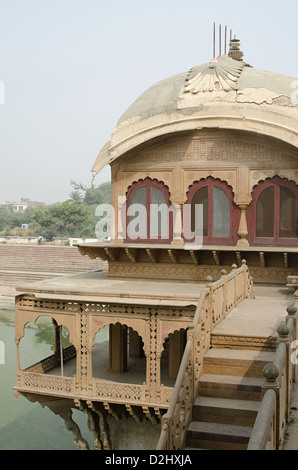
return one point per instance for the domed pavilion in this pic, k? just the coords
(222, 135)
(204, 171)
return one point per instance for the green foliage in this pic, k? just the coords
(72, 218)
(9, 219)
(100, 195)
(64, 219)
(45, 334)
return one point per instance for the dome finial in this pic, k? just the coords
(235, 52)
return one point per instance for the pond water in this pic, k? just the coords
(27, 426)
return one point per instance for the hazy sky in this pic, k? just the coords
(72, 67)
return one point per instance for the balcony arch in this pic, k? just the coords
(119, 351)
(150, 200)
(60, 319)
(56, 348)
(273, 213)
(172, 353)
(221, 215)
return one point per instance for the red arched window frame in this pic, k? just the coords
(211, 183)
(276, 182)
(148, 183)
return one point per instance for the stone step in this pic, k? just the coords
(22, 270)
(230, 386)
(217, 436)
(246, 363)
(34, 263)
(225, 410)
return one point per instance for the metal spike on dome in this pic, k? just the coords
(213, 40)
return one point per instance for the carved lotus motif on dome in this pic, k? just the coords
(219, 74)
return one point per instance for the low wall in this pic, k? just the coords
(19, 240)
(56, 241)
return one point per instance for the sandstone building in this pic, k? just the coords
(224, 136)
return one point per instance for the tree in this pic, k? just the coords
(75, 196)
(65, 219)
(94, 195)
(72, 218)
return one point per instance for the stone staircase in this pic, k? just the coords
(228, 400)
(32, 263)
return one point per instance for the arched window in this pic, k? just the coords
(148, 219)
(273, 214)
(220, 214)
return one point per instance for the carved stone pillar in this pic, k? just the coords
(177, 200)
(153, 360)
(118, 200)
(82, 375)
(177, 341)
(118, 348)
(120, 219)
(17, 341)
(242, 230)
(177, 225)
(135, 344)
(57, 342)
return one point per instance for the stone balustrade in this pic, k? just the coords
(216, 301)
(279, 375)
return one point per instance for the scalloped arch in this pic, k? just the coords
(166, 334)
(144, 180)
(251, 212)
(210, 178)
(59, 321)
(114, 321)
(262, 180)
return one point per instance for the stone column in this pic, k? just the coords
(135, 344)
(118, 200)
(17, 341)
(242, 230)
(177, 200)
(118, 348)
(57, 342)
(152, 352)
(177, 224)
(243, 200)
(177, 342)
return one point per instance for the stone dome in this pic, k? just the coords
(223, 93)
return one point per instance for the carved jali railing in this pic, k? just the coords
(35, 376)
(216, 301)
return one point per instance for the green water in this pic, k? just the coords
(27, 426)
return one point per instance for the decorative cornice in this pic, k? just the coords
(219, 74)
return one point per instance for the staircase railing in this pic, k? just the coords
(279, 375)
(217, 299)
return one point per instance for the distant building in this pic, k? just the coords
(23, 204)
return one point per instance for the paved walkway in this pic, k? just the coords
(257, 317)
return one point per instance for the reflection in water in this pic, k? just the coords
(29, 425)
(45, 335)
